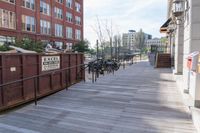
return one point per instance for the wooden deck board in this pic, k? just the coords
(139, 99)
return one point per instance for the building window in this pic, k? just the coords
(58, 13)
(69, 32)
(78, 20)
(69, 46)
(78, 34)
(69, 17)
(6, 39)
(58, 30)
(59, 1)
(44, 8)
(59, 45)
(29, 4)
(28, 23)
(45, 27)
(9, 1)
(69, 3)
(78, 7)
(7, 19)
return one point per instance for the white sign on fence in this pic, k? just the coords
(50, 63)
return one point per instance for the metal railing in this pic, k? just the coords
(95, 69)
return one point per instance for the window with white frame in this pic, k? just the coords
(58, 13)
(69, 3)
(69, 46)
(29, 4)
(69, 32)
(8, 39)
(59, 1)
(58, 30)
(7, 19)
(28, 23)
(77, 7)
(69, 17)
(45, 27)
(59, 45)
(78, 20)
(78, 34)
(9, 1)
(44, 7)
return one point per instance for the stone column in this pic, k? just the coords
(178, 64)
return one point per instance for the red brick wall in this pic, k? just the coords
(19, 10)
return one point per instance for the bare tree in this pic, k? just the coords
(117, 45)
(109, 30)
(104, 31)
(99, 32)
(140, 39)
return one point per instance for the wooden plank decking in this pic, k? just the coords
(139, 99)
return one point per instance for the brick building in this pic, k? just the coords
(56, 21)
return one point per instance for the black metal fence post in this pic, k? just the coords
(124, 64)
(95, 75)
(83, 72)
(35, 90)
(92, 73)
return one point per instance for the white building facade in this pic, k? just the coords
(129, 39)
(156, 42)
(184, 25)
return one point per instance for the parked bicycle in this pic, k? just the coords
(100, 66)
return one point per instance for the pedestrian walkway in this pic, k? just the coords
(139, 99)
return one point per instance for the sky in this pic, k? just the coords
(124, 15)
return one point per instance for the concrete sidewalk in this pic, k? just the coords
(139, 99)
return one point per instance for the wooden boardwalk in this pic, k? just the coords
(139, 99)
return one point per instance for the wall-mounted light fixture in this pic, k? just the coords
(179, 11)
(178, 7)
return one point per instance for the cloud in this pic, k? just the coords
(127, 14)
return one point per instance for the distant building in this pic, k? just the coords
(129, 39)
(147, 36)
(155, 41)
